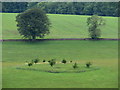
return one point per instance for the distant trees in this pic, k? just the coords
(77, 8)
(14, 7)
(94, 22)
(80, 8)
(33, 23)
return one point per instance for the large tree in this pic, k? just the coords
(94, 22)
(33, 23)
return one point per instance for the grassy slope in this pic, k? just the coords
(63, 26)
(102, 53)
(80, 50)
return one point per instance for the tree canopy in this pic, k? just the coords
(33, 23)
(77, 8)
(94, 22)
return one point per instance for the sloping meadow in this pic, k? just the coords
(63, 26)
(102, 54)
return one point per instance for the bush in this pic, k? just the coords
(75, 66)
(44, 61)
(88, 64)
(52, 62)
(30, 64)
(70, 61)
(64, 61)
(36, 61)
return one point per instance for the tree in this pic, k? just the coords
(30, 64)
(88, 64)
(94, 22)
(64, 61)
(33, 23)
(44, 61)
(75, 66)
(52, 62)
(36, 60)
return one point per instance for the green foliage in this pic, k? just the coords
(75, 66)
(36, 60)
(32, 5)
(88, 64)
(94, 22)
(70, 61)
(52, 62)
(33, 23)
(64, 61)
(30, 64)
(44, 60)
(80, 8)
(14, 7)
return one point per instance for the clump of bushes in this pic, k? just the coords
(52, 62)
(88, 64)
(75, 66)
(64, 61)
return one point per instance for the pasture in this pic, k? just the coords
(103, 54)
(63, 26)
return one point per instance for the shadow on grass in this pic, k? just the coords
(54, 71)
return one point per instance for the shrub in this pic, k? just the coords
(52, 62)
(44, 61)
(88, 64)
(64, 61)
(36, 61)
(30, 64)
(75, 66)
(70, 61)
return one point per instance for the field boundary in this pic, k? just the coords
(58, 39)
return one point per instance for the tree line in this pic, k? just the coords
(75, 8)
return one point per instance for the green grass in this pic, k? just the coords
(63, 26)
(102, 54)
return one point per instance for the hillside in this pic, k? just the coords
(63, 26)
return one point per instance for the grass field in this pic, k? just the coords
(103, 54)
(63, 26)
